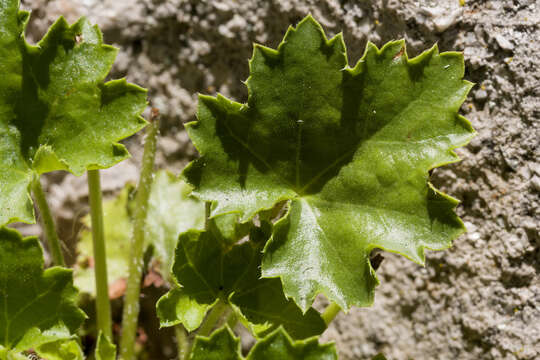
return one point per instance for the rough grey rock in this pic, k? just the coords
(478, 300)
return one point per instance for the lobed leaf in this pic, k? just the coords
(222, 344)
(209, 272)
(349, 148)
(39, 307)
(56, 111)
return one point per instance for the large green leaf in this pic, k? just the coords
(171, 211)
(350, 148)
(56, 112)
(223, 345)
(209, 272)
(39, 307)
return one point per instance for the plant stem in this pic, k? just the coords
(225, 316)
(103, 305)
(183, 342)
(130, 314)
(207, 210)
(232, 320)
(330, 313)
(211, 320)
(48, 223)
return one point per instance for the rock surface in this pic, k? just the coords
(478, 300)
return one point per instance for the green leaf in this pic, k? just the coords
(56, 112)
(178, 307)
(40, 310)
(207, 271)
(379, 357)
(279, 345)
(61, 350)
(222, 344)
(105, 349)
(350, 148)
(227, 228)
(15, 179)
(171, 210)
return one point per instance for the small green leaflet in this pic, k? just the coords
(61, 350)
(223, 345)
(56, 112)
(171, 211)
(350, 148)
(40, 310)
(209, 273)
(105, 349)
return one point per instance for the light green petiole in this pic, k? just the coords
(131, 300)
(103, 305)
(330, 313)
(48, 223)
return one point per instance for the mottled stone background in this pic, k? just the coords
(478, 300)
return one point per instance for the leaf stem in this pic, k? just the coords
(103, 305)
(330, 313)
(183, 342)
(212, 319)
(207, 211)
(232, 320)
(130, 314)
(48, 223)
(225, 316)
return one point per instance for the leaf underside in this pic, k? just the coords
(56, 111)
(207, 271)
(39, 307)
(223, 345)
(349, 148)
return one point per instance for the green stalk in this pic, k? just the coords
(212, 319)
(225, 316)
(207, 210)
(232, 320)
(103, 305)
(330, 313)
(130, 315)
(48, 223)
(183, 342)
